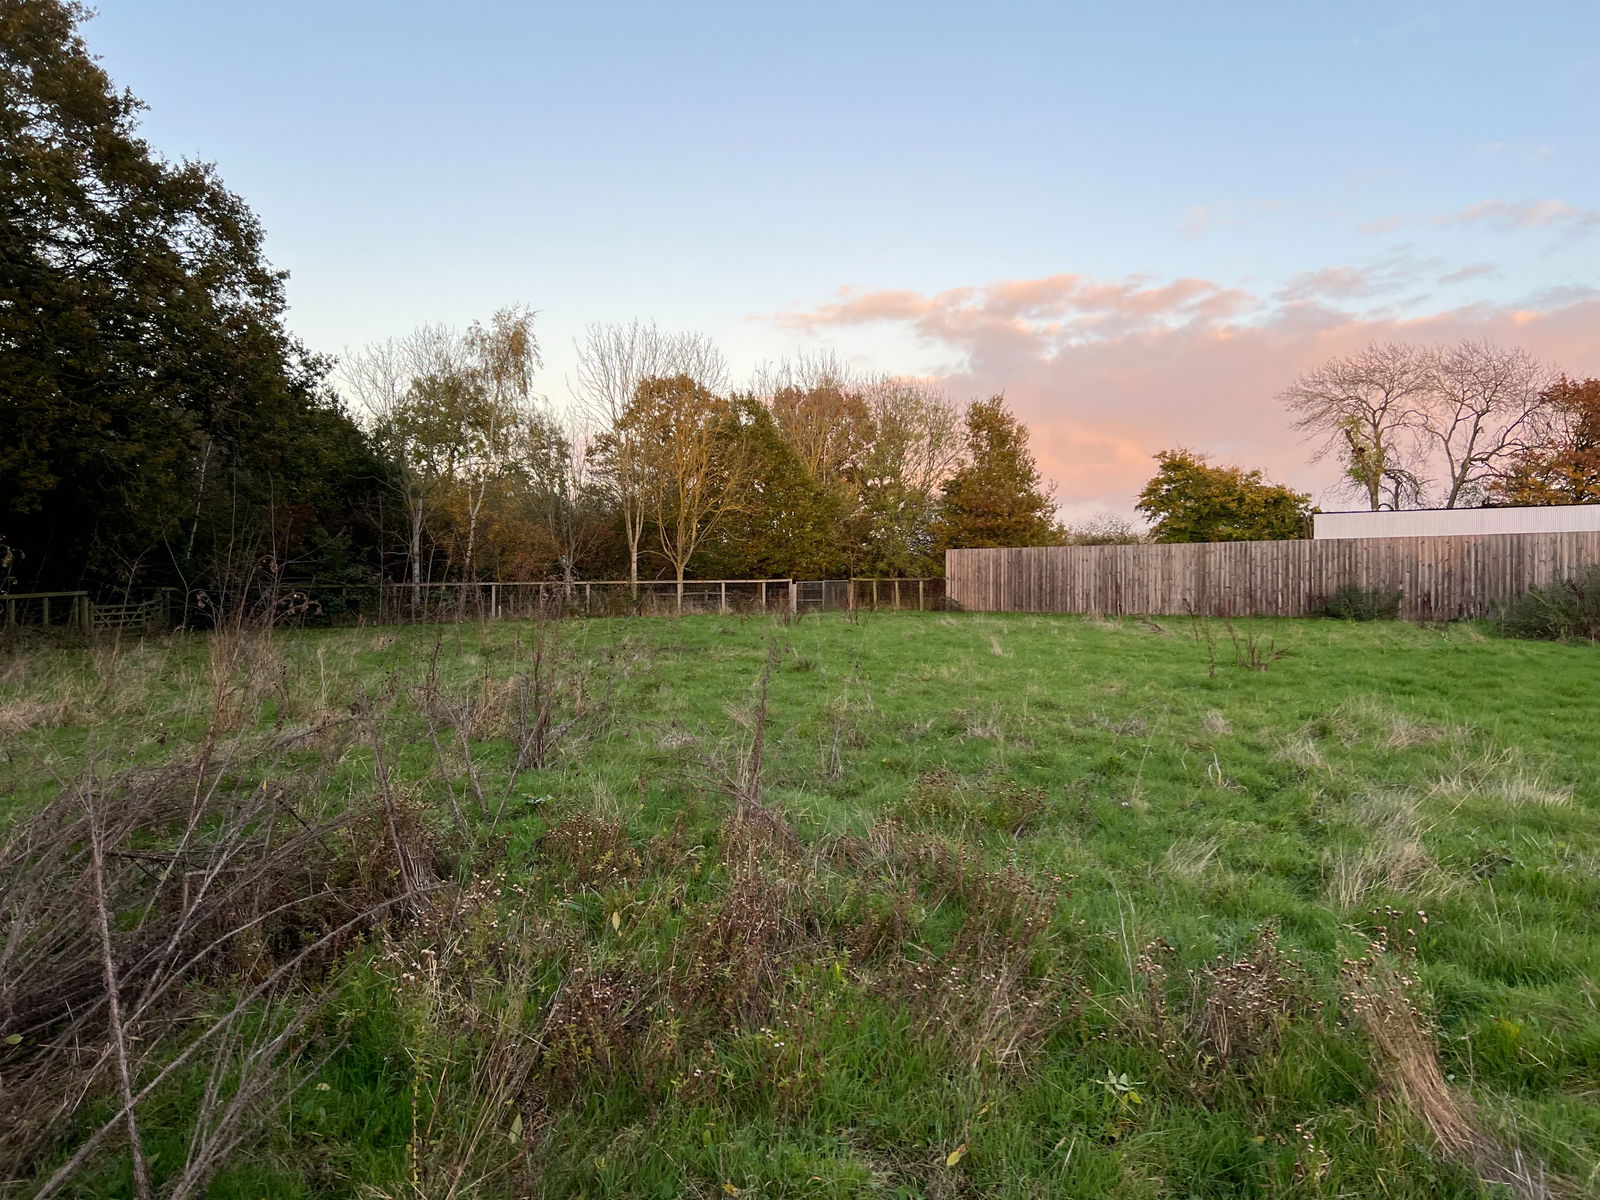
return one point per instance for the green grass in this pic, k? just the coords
(1020, 845)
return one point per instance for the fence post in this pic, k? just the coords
(921, 583)
(763, 595)
(722, 600)
(794, 596)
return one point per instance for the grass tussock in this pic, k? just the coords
(1390, 857)
(1381, 996)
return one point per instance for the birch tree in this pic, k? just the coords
(450, 411)
(914, 443)
(565, 492)
(820, 407)
(496, 367)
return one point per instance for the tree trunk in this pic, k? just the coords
(416, 558)
(633, 527)
(472, 537)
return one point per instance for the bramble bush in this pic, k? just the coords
(1565, 611)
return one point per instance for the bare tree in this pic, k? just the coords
(613, 362)
(1484, 409)
(1366, 410)
(1413, 424)
(567, 497)
(820, 407)
(449, 410)
(914, 442)
(383, 380)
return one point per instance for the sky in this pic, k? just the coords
(1137, 220)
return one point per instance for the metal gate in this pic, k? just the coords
(821, 595)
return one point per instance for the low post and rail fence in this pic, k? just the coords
(70, 610)
(401, 603)
(429, 602)
(79, 612)
(1438, 578)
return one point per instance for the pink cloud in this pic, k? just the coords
(1385, 224)
(1471, 271)
(1029, 313)
(1507, 215)
(1107, 374)
(1523, 214)
(1202, 219)
(1334, 283)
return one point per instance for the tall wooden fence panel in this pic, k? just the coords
(1438, 577)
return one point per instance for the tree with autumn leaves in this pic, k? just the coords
(1562, 465)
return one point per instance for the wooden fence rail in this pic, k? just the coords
(71, 609)
(1439, 578)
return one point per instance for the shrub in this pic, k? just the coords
(1352, 602)
(1564, 611)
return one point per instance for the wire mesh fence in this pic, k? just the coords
(917, 595)
(432, 602)
(402, 603)
(418, 603)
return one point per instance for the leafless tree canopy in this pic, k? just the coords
(454, 412)
(614, 361)
(1485, 409)
(1421, 425)
(820, 406)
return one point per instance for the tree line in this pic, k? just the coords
(661, 468)
(161, 426)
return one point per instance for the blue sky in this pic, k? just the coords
(1338, 171)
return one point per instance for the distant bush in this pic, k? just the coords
(1564, 611)
(1104, 529)
(1352, 602)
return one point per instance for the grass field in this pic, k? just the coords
(911, 905)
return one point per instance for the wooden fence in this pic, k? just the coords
(1439, 578)
(70, 609)
(77, 611)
